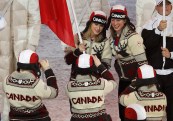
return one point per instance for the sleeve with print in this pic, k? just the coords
(127, 99)
(137, 48)
(111, 42)
(44, 91)
(107, 50)
(107, 53)
(109, 86)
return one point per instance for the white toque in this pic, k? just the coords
(146, 71)
(84, 61)
(28, 57)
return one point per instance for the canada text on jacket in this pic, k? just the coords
(87, 100)
(155, 108)
(20, 97)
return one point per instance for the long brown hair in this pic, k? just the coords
(86, 33)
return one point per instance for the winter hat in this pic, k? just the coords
(85, 61)
(3, 23)
(84, 64)
(29, 60)
(158, 2)
(28, 57)
(146, 71)
(118, 12)
(146, 75)
(135, 112)
(98, 17)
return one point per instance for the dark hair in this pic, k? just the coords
(32, 67)
(130, 25)
(87, 27)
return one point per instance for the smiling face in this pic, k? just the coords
(168, 9)
(118, 24)
(96, 28)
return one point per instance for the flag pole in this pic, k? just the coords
(164, 34)
(76, 23)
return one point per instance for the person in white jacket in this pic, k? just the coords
(22, 31)
(144, 12)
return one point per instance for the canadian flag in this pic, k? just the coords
(54, 14)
